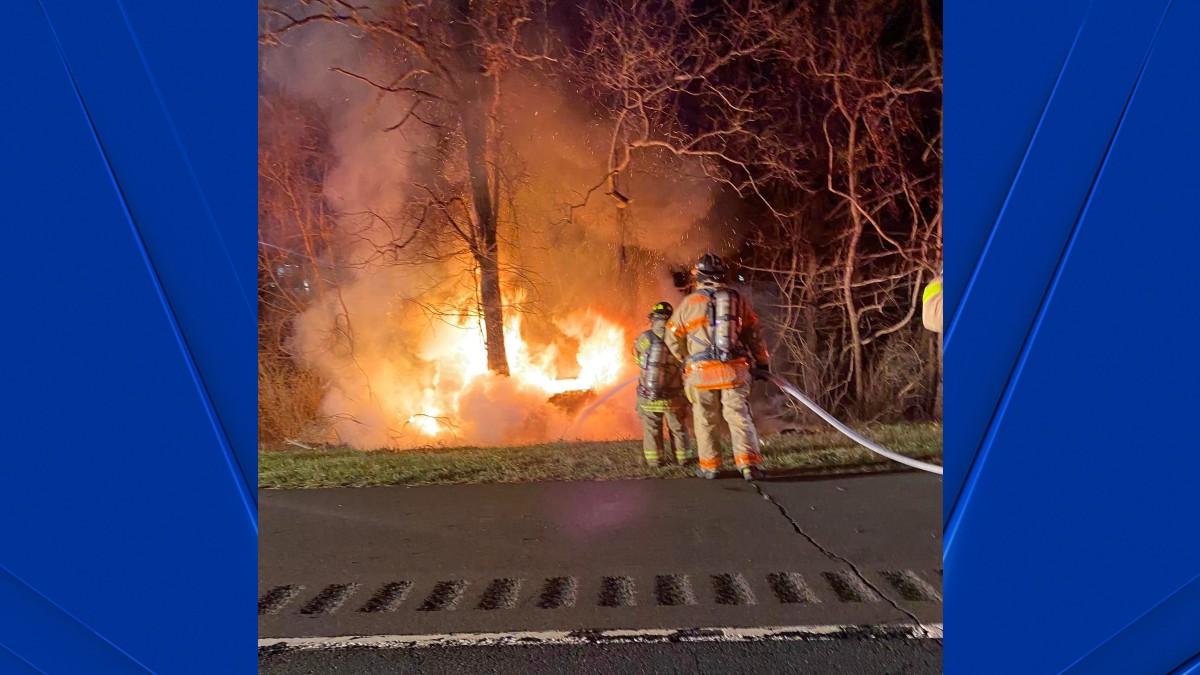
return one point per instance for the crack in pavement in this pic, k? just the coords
(834, 556)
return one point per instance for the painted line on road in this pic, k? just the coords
(581, 637)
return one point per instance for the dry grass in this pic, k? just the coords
(289, 399)
(793, 453)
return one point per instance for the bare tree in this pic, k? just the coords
(819, 122)
(674, 84)
(823, 120)
(867, 79)
(294, 233)
(447, 61)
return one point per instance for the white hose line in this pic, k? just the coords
(847, 431)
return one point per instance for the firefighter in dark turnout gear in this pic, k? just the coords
(660, 394)
(715, 333)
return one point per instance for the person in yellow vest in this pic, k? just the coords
(715, 333)
(660, 392)
(931, 305)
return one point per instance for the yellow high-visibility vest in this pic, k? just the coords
(931, 290)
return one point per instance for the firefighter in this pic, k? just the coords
(660, 392)
(931, 305)
(715, 333)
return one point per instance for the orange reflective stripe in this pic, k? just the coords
(675, 329)
(695, 323)
(710, 464)
(748, 460)
(696, 299)
(715, 372)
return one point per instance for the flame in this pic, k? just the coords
(457, 354)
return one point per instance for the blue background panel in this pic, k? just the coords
(1035, 219)
(204, 79)
(1192, 667)
(1006, 60)
(128, 541)
(1072, 547)
(130, 186)
(153, 168)
(11, 663)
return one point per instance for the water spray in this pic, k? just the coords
(586, 412)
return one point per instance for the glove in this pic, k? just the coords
(761, 370)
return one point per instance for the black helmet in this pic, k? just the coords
(710, 266)
(662, 309)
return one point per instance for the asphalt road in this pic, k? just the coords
(596, 556)
(844, 657)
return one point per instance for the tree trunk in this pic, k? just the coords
(493, 314)
(808, 326)
(856, 346)
(486, 252)
(935, 65)
(476, 125)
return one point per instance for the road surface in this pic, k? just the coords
(614, 576)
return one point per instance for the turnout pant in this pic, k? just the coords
(674, 411)
(708, 407)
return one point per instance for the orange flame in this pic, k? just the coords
(458, 354)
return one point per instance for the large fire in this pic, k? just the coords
(393, 335)
(456, 349)
(406, 363)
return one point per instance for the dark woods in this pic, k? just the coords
(816, 128)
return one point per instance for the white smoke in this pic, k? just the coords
(390, 360)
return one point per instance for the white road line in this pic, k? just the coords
(817, 632)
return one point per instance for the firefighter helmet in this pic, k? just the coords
(663, 310)
(710, 266)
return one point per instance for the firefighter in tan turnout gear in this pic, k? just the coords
(931, 305)
(660, 392)
(715, 333)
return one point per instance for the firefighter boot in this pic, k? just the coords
(752, 473)
(705, 474)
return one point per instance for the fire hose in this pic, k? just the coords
(846, 431)
(795, 393)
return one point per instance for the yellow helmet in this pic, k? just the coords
(662, 309)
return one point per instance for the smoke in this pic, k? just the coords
(400, 345)
(565, 151)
